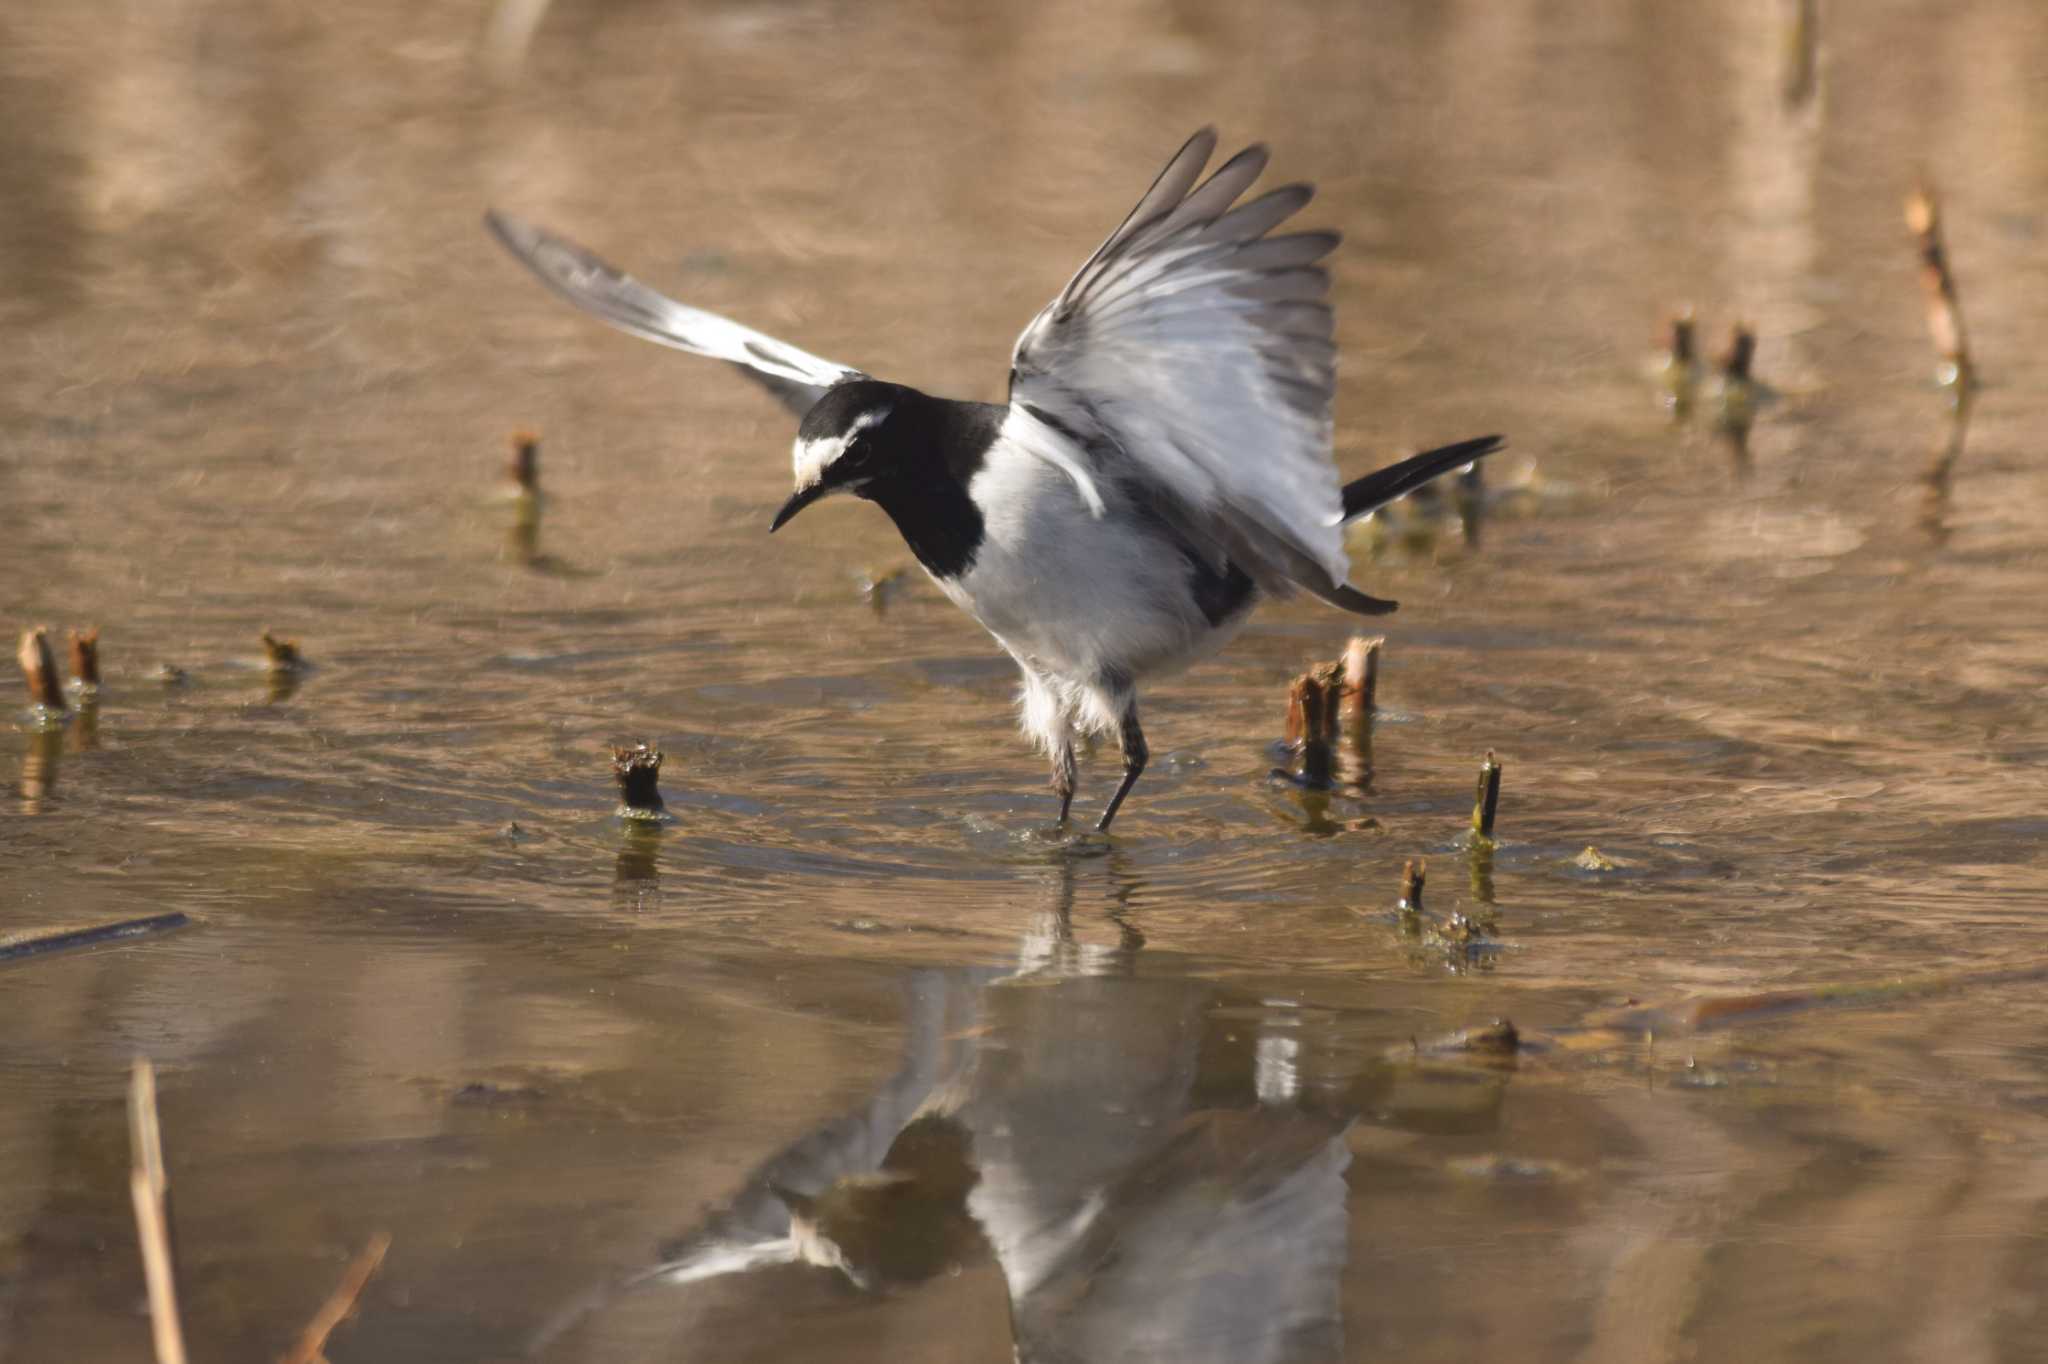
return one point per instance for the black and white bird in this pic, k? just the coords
(1163, 460)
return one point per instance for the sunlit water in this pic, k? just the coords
(1171, 1095)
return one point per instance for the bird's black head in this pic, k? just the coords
(845, 442)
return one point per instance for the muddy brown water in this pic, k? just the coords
(1152, 1097)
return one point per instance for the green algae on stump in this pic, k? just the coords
(1592, 859)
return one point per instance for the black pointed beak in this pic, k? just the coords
(802, 498)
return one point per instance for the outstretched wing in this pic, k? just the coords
(796, 378)
(1193, 353)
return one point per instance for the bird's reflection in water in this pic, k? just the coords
(1137, 1165)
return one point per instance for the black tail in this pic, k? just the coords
(1376, 490)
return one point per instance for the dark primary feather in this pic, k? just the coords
(1375, 490)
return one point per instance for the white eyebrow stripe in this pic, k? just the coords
(812, 457)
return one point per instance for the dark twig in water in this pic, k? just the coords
(282, 655)
(1486, 800)
(638, 769)
(1944, 309)
(39, 669)
(96, 936)
(149, 1187)
(312, 1343)
(85, 656)
(1414, 872)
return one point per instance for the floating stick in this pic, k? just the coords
(149, 1187)
(1944, 311)
(39, 669)
(312, 1344)
(85, 656)
(77, 938)
(637, 769)
(1486, 800)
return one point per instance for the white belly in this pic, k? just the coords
(1093, 601)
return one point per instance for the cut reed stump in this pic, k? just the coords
(85, 657)
(1937, 281)
(524, 470)
(1740, 357)
(39, 670)
(638, 769)
(1414, 872)
(1486, 800)
(1738, 391)
(1681, 367)
(1362, 678)
(282, 655)
(1312, 702)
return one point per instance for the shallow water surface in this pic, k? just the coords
(1197, 1091)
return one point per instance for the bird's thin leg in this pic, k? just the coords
(1064, 775)
(1132, 738)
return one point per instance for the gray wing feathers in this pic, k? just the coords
(796, 378)
(1194, 355)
